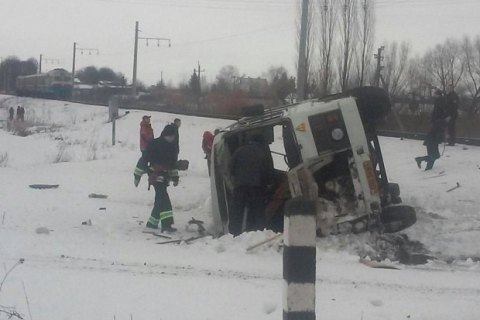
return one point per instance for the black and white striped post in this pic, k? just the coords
(299, 260)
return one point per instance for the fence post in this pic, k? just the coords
(113, 114)
(299, 260)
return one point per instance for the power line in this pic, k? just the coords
(423, 3)
(231, 36)
(238, 5)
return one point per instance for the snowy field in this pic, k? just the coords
(111, 270)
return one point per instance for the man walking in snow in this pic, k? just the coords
(146, 133)
(19, 113)
(436, 134)
(252, 172)
(11, 112)
(159, 161)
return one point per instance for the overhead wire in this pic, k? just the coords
(242, 5)
(416, 3)
(231, 36)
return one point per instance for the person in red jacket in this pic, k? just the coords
(207, 143)
(146, 133)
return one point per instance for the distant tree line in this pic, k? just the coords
(93, 75)
(12, 67)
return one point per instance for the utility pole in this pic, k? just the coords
(199, 86)
(73, 64)
(135, 54)
(75, 48)
(378, 74)
(47, 60)
(301, 72)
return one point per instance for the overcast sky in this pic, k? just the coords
(250, 34)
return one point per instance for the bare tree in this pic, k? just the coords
(366, 39)
(348, 33)
(226, 78)
(280, 83)
(471, 79)
(455, 63)
(417, 80)
(395, 67)
(436, 66)
(445, 64)
(328, 14)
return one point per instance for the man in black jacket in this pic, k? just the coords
(252, 171)
(159, 160)
(436, 134)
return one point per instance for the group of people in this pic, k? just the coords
(20, 113)
(443, 120)
(251, 168)
(159, 160)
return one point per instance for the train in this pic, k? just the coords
(54, 84)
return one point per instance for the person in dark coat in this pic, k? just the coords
(452, 111)
(159, 160)
(11, 112)
(436, 134)
(146, 133)
(19, 113)
(207, 144)
(252, 172)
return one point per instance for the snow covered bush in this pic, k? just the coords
(92, 150)
(63, 155)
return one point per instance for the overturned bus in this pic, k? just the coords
(337, 136)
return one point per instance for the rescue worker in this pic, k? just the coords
(146, 133)
(207, 143)
(436, 134)
(159, 160)
(252, 171)
(452, 111)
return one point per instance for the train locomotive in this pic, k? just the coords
(55, 84)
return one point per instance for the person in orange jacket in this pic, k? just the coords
(207, 143)
(146, 133)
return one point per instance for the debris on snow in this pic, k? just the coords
(97, 196)
(456, 187)
(43, 186)
(87, 223)
(376, 303)
(42, 230)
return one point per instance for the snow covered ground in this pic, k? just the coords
(111, 270)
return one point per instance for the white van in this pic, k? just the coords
(336, 137)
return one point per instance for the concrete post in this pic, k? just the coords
(299, 260)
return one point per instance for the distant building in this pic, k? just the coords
(255, 87)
